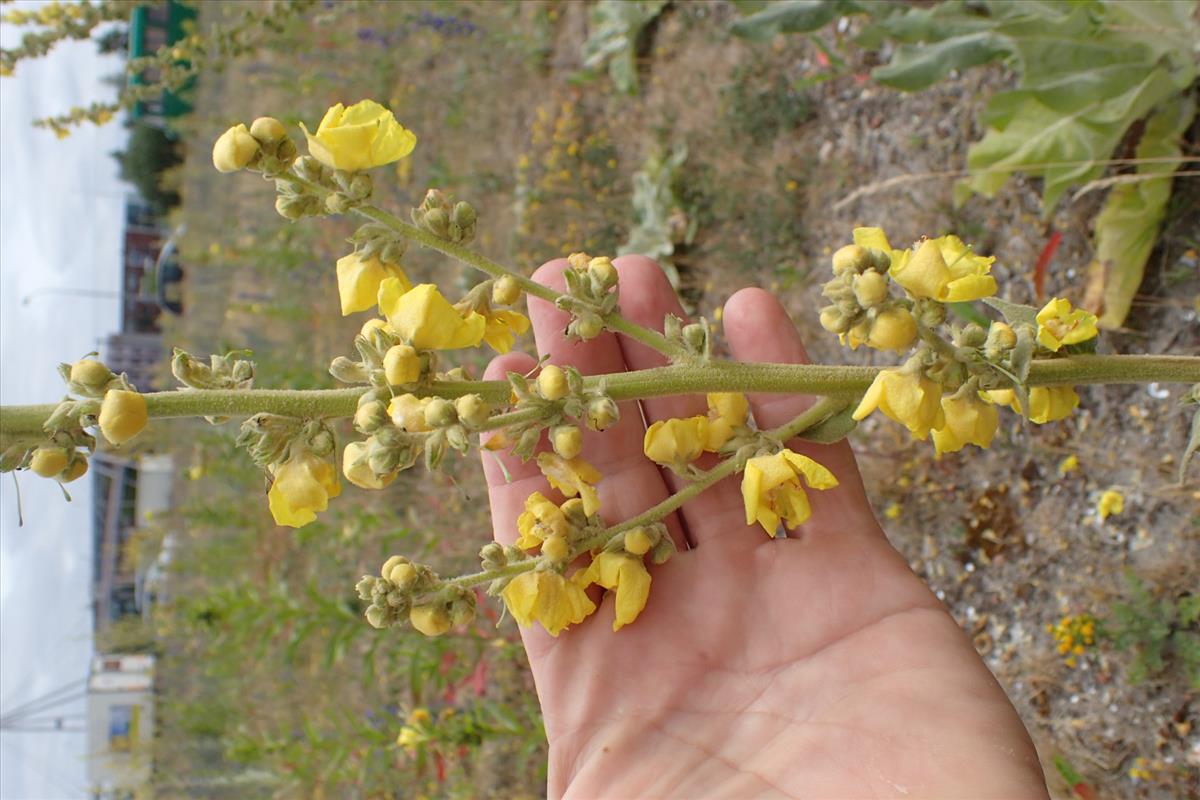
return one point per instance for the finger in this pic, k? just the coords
(631, 483)
(646, 298)
(510, 480)
(758, 328)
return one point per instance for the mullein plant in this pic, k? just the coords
(409, 403)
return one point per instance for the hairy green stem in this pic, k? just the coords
(718, 376)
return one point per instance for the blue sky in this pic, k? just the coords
(61, 209)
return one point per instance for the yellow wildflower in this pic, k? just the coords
(910, 399)
(123, 415)
(942, 269)
(48, 461)
(502, 328)
(548, 598)
(1058, 324)
(419, 716)
(1111, 502)
(552, 383)
(894, 329)
(540, 520)
(893, 511)
(408, 412)
(304, 485)
(869, 239)
(1068, 464)
(358, 471)
(1047, 403)
(425, 319)
(409, 738)
(727, 412)
(772, 491)
(401, 365)
(358, 281)
(362, 136)
(676, 442)
(968, 421)
(234, 149)
(624, 574)
(574, 477)
(430, 620)
(638, 542)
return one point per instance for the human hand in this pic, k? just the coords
(813, 666)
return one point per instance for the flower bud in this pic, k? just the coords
(403, 575)
(850, 257)
(1000, 338)
(556, 548)
(286, 153)
(492, 555)
(360, 188)
(235, 149)
(602, 413)
(586, 326)
(463, 215)
(370, 416)
(603, 272)
(291, 206)
(894, 329)
(439, 413)
(472, 410)
(574, 511)
(870, 288)
(401, 365)
(506, 291)
(972, 336)
(48, 461)
(122, 415)
(430, 620)
(437, 222)
(377, 617)
(357, 468)
(390, 564)
(337, 203)
(578, 261)
(552, 383)
(346, 371)
(567, 441)
(462, 612)
(833, 320)
(91, 375)
(267, 130)
(638, 542)
(76, 471)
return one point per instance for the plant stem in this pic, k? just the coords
(717, 376)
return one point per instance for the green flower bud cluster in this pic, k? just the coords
(229, 371)
(449, 423)
(559, 396)
(353, 188)
(694, 338)
(653, 539)
(294, 202)
(592, 294)
(270, 438)
(452, 222)
(413, 592)
(375, 240)
(383, 360)
(864, 311)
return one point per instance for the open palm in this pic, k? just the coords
(814, 666)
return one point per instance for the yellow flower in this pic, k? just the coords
(540, 520)
(425, 319)
(552, 383)
(358, 471)
(234, 149)
(772, 491)
(574, 477)
(408, 412)
(409, 738)
(968, 421)
(676, 442)
(362, 136)
(358, 281)
(727, 412)
(1068, 464)
(1058, 324)
(304, 485)
(1048, 403)
(548, 598)
(430, 620)
(401, 365)
(894, 329)
(624, 574)
(122, 415)
(502, 328)
(1111, 502)
(419, 716)
(48, 461)
(942, 269)
(912, 400)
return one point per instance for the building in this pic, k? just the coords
(120, 713)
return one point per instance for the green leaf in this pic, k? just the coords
(1127, 227)
(970, 313)
(1014, 313)
(792, 16)
(918, 66)
(832, 429)
(615, 26)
